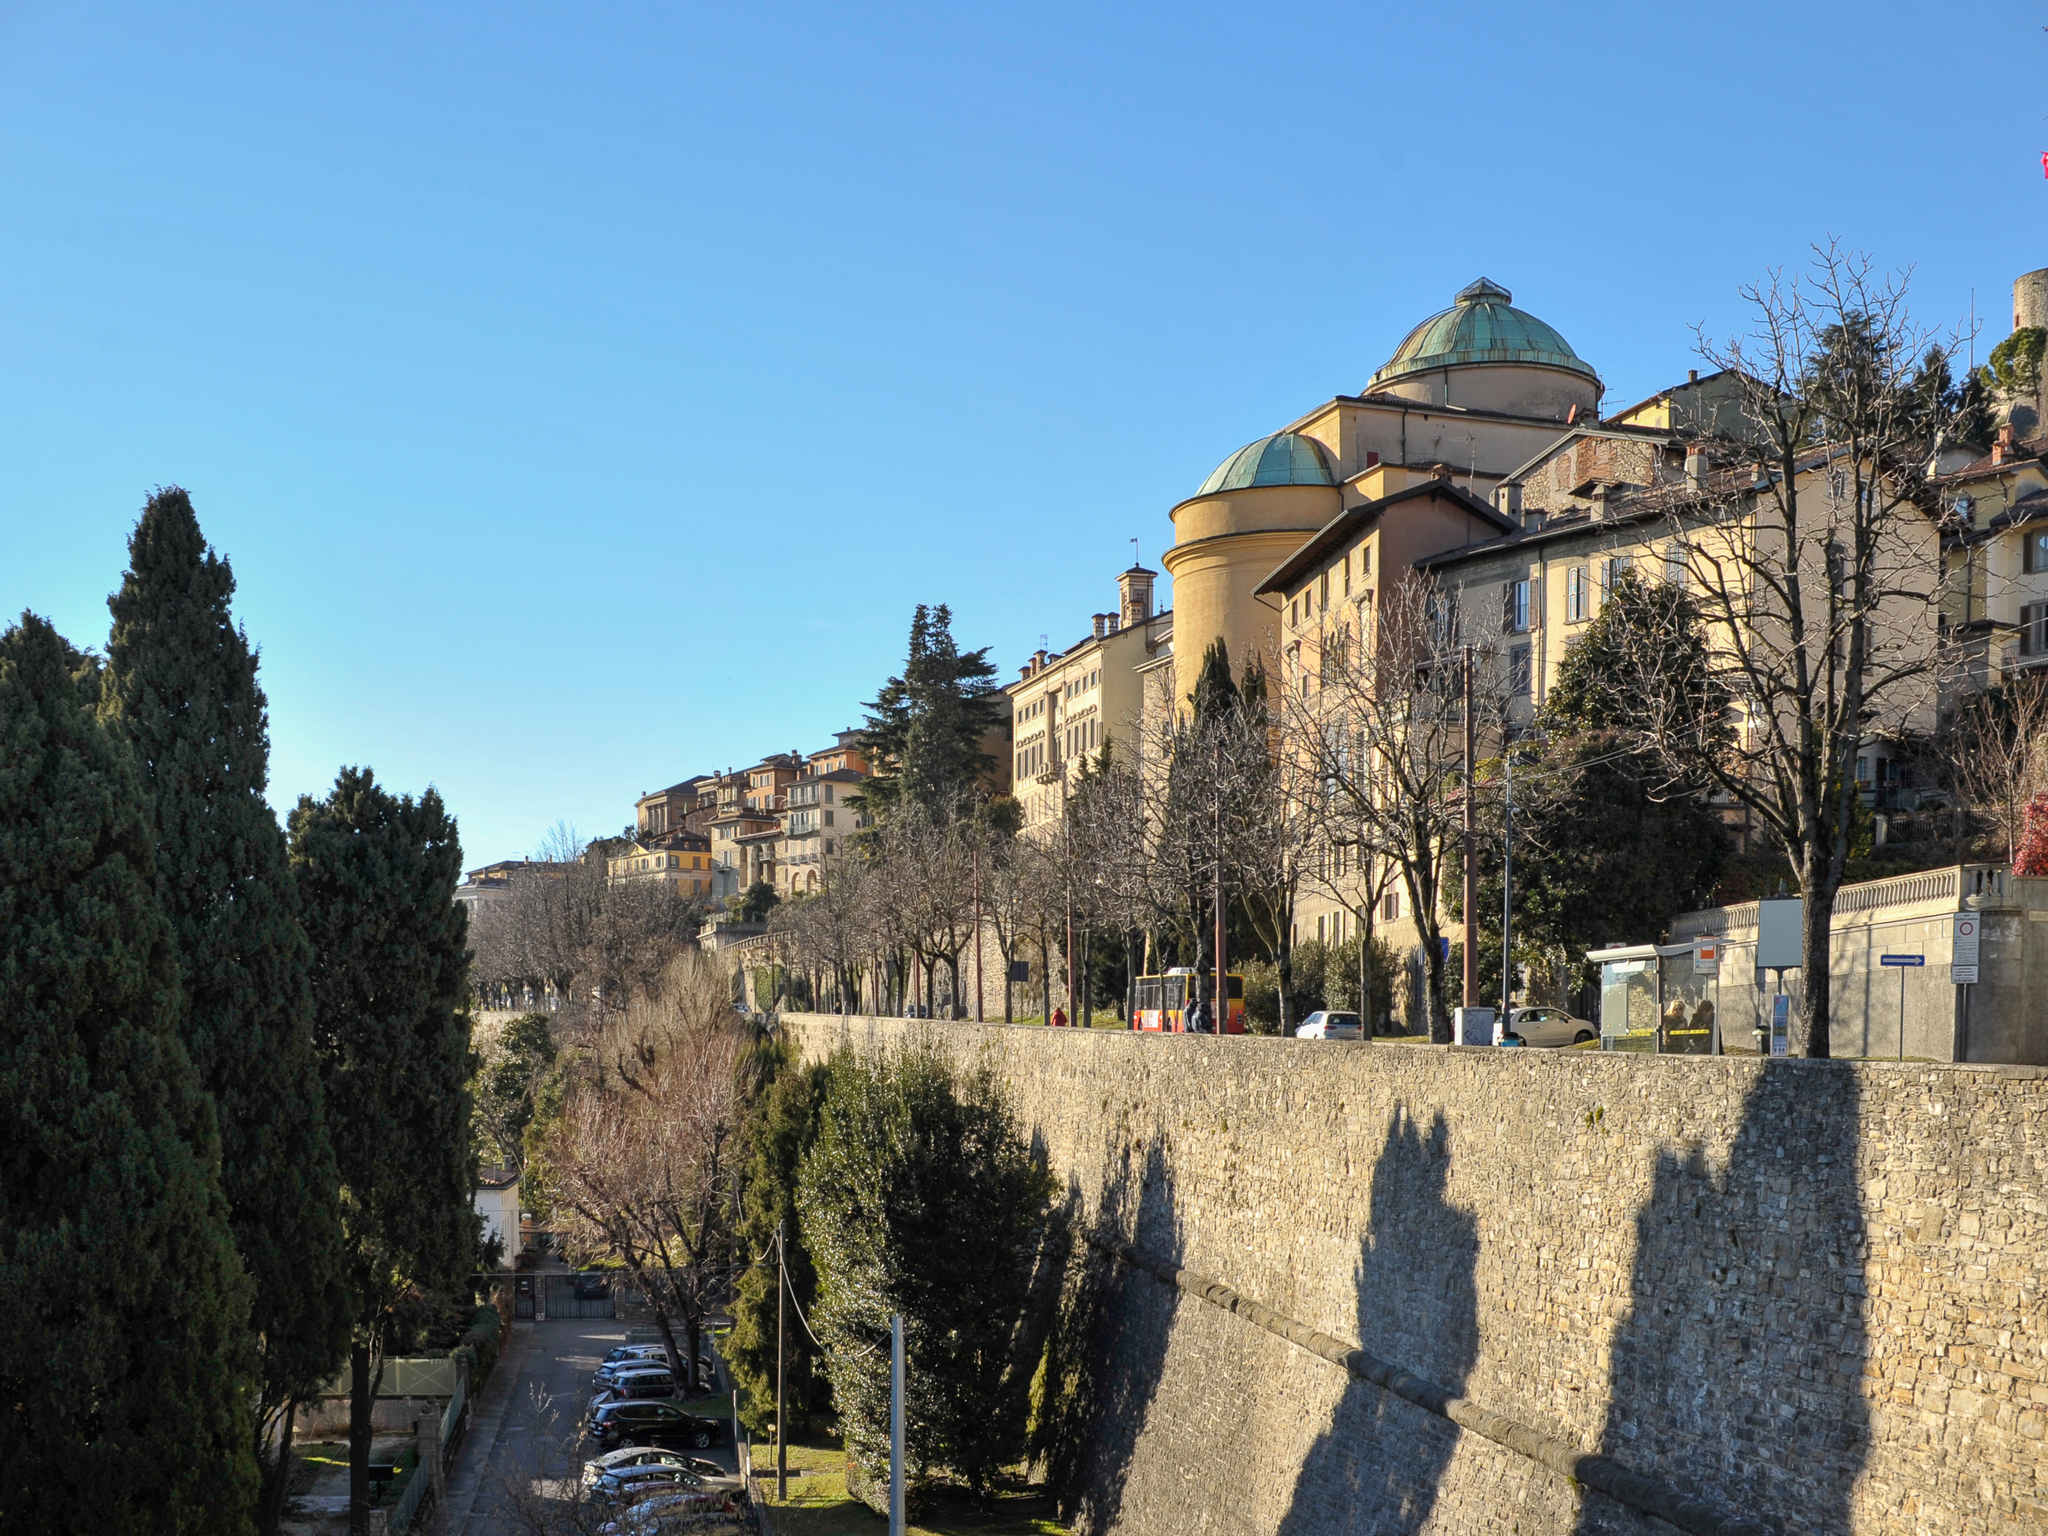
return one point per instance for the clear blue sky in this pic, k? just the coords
(584, 395)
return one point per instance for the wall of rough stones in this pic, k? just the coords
(1801, 1294)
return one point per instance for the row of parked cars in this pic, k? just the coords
(1526, 1026)
(644, 1477)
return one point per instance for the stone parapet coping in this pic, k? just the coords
(1602, 1474)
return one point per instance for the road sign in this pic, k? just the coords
(1962, 960)
(1706, 957)
(1901, 959)
(1781, 1022)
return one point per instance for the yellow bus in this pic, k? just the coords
(1162, 1001)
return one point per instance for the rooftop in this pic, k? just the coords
(1481, 326)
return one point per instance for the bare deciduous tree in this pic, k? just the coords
(1999, 755)
(1817, 570)
(641, 1163)
(1377, 732)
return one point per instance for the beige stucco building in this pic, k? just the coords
(1469, 394)
(1066, 705)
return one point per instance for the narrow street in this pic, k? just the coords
(525, 1449)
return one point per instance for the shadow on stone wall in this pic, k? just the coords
(1375, 1470)
(1106, 1347)
(1737, 1377)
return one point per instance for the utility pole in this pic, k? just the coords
(781, 1401)
(1471, 907)
(1067, 879)
(1507, 886)
(1219, 1000)
(976, 849)
(896, 1424)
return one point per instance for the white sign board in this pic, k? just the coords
(1706, 957)
(1779, 922)
(1962, 962)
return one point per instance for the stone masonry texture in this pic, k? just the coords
(1769, 1295)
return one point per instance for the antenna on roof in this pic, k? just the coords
(1134, 552)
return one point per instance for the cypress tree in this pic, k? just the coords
(376, 875)
(123, 1366)
(180, 688)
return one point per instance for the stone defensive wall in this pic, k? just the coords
(1309, 1287)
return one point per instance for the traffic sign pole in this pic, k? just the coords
(1902, 964)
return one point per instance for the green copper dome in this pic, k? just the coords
(1481, 326)
(1285, 458)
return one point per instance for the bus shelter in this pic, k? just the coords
(1658, 999)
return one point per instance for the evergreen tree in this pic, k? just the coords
(1215, 694)
(504, 1091)
(926, 728)
(920, 1197)
(124, 1367)
(376, 875)
(180, 688)
(781, 1126)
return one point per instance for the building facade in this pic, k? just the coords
(1067, 705)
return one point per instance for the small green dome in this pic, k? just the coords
(1285, 458)
(1481, 326)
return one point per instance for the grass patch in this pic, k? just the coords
(818, 1503)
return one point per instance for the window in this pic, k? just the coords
(1518, 672)
(1390, 906)
(1326, 591)
(2034, 558)
(1674, 566)
(1613, 569)
(1575, 594)
(1347, 575)
(828, 794)
(1514, 607)
(828, 818)
(2034, 629)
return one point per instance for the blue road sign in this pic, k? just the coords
(1901, 959)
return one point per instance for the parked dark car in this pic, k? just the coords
(648, 1456)
(591, 1287)
(649, 1421)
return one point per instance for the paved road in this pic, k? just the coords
(524, 1441)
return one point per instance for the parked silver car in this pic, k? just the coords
(1548, 1026)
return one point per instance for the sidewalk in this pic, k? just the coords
(487, 1423)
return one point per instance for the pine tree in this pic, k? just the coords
(124, 1363)
(376, 875)
(180, 688)
(926, 728)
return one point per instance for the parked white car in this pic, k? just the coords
(1549, 1027)
(1328, 1024)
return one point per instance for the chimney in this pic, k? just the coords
(1024, 672)
(1511, 501)
(1692, 375)
(2001, 450)
(1116, 622)
(1134, 590)
(1696, 467)
(1101, 625)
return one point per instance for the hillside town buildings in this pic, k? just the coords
(1476, 458)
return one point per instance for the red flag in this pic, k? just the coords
(2044, 162)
